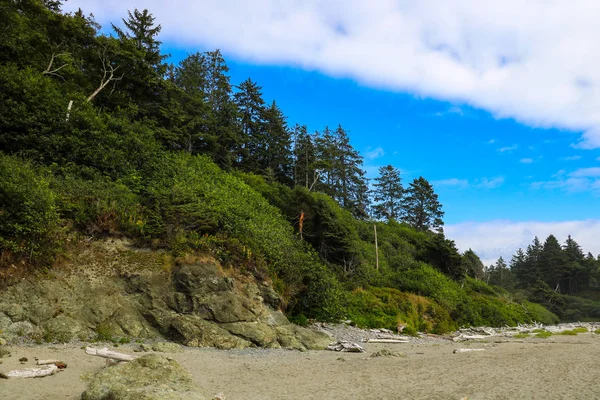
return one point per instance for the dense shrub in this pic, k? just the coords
(29, 220)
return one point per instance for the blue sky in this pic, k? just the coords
(496, 107)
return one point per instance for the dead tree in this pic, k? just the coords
(107, 77)
(51, 70)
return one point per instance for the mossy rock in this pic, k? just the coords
(150, 377)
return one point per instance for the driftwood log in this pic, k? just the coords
(38, 372)
(466, 350)
(387, 341)
(106, 353)
(58, 363)
(347, 347)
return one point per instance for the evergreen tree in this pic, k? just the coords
(422, 210)
(388, 193)
(251, 108)
(141, 29)
(472, 265)
(500, 275)
(552, 260)
(518, 268)
(276, 156)
(305, 158)
(575, 276)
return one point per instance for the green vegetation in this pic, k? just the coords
(521, 335)
(569, 333)
(597, 331)
(543, 334)
(178, 158)
(580, 330)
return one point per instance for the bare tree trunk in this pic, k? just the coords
(109, 76)
(69, 109)
(376, 248)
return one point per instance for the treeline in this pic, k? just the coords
(191, 107)
(100, 136)
(552, 274)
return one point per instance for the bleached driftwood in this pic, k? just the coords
(469, 337)
(466, 350)
(106, 353)
(40, 372)
(347, 347)
(387, 341)
(58, 363)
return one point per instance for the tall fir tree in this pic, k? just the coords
(251, 108)
(388, 194)
(305, 158)
(276, 156)
(422, 210)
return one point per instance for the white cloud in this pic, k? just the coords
(454, 110)
(491, 141)
(508, 148)
(375, 153)
(526, 160)
(571, 158)
(586, 172)
(455, 182)
(481, 183)
(491, 240)
(535, 61)
(580, 180)
(490, 183)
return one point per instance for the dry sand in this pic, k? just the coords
(560, 367)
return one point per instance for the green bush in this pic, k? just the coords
(99, 206)
(388, 308)
(29, 221)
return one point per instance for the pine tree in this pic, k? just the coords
(575, 276)
(305, 157)
(140, 28)
(388, 193)
(500, 275)
(518, 268)
(422, 210)
(472, 265)
(251, 108)
(552, 260)
(276, 153)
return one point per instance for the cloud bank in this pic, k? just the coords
(535, 61)
(491, 240)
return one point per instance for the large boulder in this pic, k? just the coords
(151, 377)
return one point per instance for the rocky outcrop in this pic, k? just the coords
(150, 377)
(112, 291)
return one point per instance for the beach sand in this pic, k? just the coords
(559, 367)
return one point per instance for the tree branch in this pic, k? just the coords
(107, 77)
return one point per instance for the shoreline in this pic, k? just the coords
(427, 368)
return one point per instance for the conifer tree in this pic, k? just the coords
(472, 265)
(305, 158)
(275, 155)
(388, 193)
(251, 108)
(422, 210)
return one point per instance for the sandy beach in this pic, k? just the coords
(555, 368)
